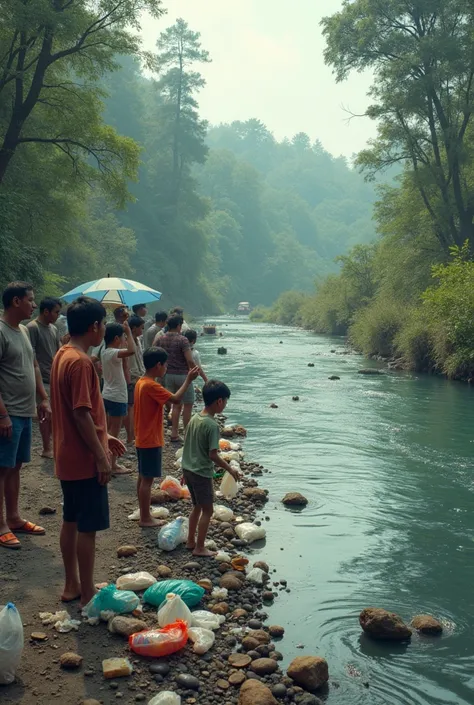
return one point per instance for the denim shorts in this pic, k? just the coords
(116, 408)
(17, 449)
(173, 383)
(149, 462)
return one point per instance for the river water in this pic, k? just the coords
(386, 463)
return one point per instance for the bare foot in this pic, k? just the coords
(85, 599)
(150, 523)
(47, 454)
(190, 545)
(203, 553)
(71, 592)
(120, 470)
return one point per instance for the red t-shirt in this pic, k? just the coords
(150, 398)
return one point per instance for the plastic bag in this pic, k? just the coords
(135, 581)
(179, 453)
(250, 532)
(223, 513)
(229, 486)
(166, 697)
(185, 493)
(224, 445)
(109, 599)
(172, 610)
(61, 621)
(11, 642)
(256, 576)
(222, 557)
(156, 513)
(189, 592)
(160, 642)
(207, 620)
(203, 639)
(171, 535)
(220, 593)
(171, 486)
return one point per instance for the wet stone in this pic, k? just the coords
(187, 681)
(161, 669)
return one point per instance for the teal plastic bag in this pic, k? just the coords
(109, 599)
(189, 592)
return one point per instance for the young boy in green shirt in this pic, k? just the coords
(200, 454)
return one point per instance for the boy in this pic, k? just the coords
(191, 335)
(150, 398)
(200, 454)
(115, 391)
(137, 369)
(82, 447)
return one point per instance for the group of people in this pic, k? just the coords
(84, 381)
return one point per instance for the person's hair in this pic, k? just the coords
(177, 311)
(161, 316)
(112, 331)
(83, 313)
(152, 356)
(136, 322)
(15, 290)
(119, 311)
(191, 335)
(137, 307)
(174, 322)
(214, 390)
(49, 303)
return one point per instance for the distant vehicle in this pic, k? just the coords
(209, 329)
(244, 307)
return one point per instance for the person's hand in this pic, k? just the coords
(125, 323)
(104, 470)
(6, 427)
(115, 446)
(44, 411)
(182, 481)
(193, 374)
(235, 474)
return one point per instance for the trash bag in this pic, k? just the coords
(223, 513)
(225, 445)
(160, 642)
(171, 486)
(173, 609)
(203, 639)
(220, 593)
(222, 557)
(135, 581)
(256, 575)
(109, 599)
(250, 532)
(239, 563)
(156, 513)
(166, 697)
(11, 642)
(189, 592)
(171, 535)
(185, 493)
(207, 620)
(229, 486)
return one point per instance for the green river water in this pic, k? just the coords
(386, 463)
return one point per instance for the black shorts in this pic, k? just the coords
(131, 393)
(200, 488)
(86, 503)
(149, 462)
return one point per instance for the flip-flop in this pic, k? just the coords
(29, 528)
(9, 540)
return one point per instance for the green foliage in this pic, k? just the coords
(414, 341)
(375, 327)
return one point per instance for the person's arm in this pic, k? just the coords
(130, 349)
(87, 430)
(191, 376)
(220, 462)
(44, 408)
(188, 354)
(32, 329)
(5, 421)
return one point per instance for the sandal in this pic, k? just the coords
(29, 528)
(9, 540)
(175, 440)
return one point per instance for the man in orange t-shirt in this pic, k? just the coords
(150, 398)
(82, 447)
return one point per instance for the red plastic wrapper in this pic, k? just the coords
(157, 643)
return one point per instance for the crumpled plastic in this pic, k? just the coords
(60, 621)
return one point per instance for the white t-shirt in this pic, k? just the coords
(115, 385)
(196, 358)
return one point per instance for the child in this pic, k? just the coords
(191, 335)
(150, 398)
(200, 454)
(137, 369)
(115, 391)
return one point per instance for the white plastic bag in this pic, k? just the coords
(166, 697)
(172, 535)
(229, 486)
(174, 608)
(223, 513)
(203, 639)
(156, 513)
(135, 581)
(220, 593)
(223, 557)
(11, 643)
(179, 453)
(250, 532)
(256, 575)
(207, 620)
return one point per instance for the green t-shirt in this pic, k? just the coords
(202, 436)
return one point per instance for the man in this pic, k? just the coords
(20, 385)
(156, 330)
(61, 325)
(140, 310)
(82, 447)
(179, 311)
(45, 340)
(180, 361)
(121, 315)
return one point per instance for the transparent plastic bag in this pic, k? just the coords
(229, 486)
(220, 593)
(171, 535)
(190, 592)
(171, 486)
(157, 643)
(250, 532)
(203, 639)
(207, 620)
(166, 697)
(109, 599)
(135, 581)
(223, 513)
(172, 610)
(11, 642)
(156, 513)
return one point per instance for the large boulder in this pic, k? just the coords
(309, 672)
(229, 581)
(294, 499)
(255, 693)
(370, 371)
(426, 624)
(264, 666)
(256, 494)
(380, 624)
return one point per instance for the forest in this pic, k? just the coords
(409, 294)
(106, 166)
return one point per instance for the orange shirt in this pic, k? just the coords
(150, 398)
(75, 385)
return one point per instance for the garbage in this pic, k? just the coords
(207, 620)
(256, 575)
(223, 557)
(171, 535)
(179, 453)
(185, 493)
(220, 593)
(61, 621)
(223, 513)
(171, 486)
(108, 602)
(227, 446)
(160, 642)
(173, 609)
(203, 639)
(156, 513)
(166, 697)
(250, 532)
(135, 581)
(239, 563)
(116, 667)
(11, 642)
(229, 486)
(189, 592)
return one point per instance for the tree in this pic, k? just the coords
(422, 57)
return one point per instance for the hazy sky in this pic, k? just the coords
(267, 63)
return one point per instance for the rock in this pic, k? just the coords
(309, 699)
(268, 596)
(310, 364)
(309, 672)
(187, 681)
(126, 551)
(237, 678)
(273, 406)
(249, 643)
(264, 666)
(206, 584)
(228, 533)
(224, 567)
(276, 632)
(39, 636)
(239, 614)
(256, 494)
(222, 351)
(90, 701)
(254, 624)
(160, 497)
(262, 565)
(426, 624)
(239, 660)
(164, 572)
(222, 684)
(260, 635)
(295, 398)
(370, 371)
(240, 431)
(70, 661)
(192, 566)
(294, 499)
(125, 626)
(334, 378)
(279, 691)
(160, 668)
(255, 693)
(221, 608)
(276, 655)
(380, 624)
(230, 582)
(47, 510)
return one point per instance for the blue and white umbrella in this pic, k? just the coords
(115, 291)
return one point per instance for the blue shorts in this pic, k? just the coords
(149, 462)
(116, 408)
(17, 449)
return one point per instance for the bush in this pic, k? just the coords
(375, 327)
(260, 314)
(414, 342)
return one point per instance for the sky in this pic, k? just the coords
(267, 63)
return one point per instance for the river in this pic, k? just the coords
(386, 463)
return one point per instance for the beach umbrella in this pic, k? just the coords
(114, 291)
